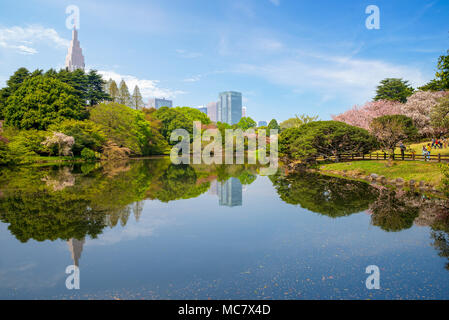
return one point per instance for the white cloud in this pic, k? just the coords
(188, 55)
(334, 76)
(23, 40)
(148, 88)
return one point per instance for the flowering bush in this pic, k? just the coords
(62, 143)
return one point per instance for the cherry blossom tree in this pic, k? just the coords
(62, 142)
(419, 107)
(362, 116)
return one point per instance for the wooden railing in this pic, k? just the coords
(386, 156)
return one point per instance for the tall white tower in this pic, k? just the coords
(75, 58)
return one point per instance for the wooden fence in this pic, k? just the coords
(435, 157)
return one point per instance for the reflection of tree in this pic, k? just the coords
(441, 243)
(247, 178)
(179, 182)
(330, 196)
(393, 211)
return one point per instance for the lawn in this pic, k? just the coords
(418, 149)
(407, 170)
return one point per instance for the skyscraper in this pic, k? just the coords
(159, 103)
(212, 111)
(75, 58)
(230, 107)
(203, 109)
(243, 112)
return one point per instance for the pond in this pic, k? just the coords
(148, 229)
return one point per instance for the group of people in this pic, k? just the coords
(439, 143)
(436, 144)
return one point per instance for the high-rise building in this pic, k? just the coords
(203, 109)
(243, 112)
(212, 111)
(159, 103)
(75, 58)
(230, 193)
(263, 124)
(230, 107)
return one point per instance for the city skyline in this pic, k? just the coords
(321, 60)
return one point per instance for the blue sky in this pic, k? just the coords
(286, 56)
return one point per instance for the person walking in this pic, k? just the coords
(429, 150)
(424, 152)
(403, 148)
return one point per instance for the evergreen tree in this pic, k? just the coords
(14, 82)
(113, 91)
(136, 99)
(95, 92)
(394, 90)
(124, 95)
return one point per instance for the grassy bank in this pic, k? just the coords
(407, 170)
(417, 147)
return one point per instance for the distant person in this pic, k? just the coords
(429, 150)
(424, 152)
(403, 148)
(433, 142)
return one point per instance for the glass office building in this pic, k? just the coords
(230, 107)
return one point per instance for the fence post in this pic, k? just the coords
(439, 157)
(413, 156)
(370, 156)
(352, 156)
(377, 155)
(393, 155)
(363, 156)
(385, 156)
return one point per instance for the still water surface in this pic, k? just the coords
(153, 230)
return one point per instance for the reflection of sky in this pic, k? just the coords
(197, 249)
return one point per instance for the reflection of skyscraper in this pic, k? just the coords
(76, 248)
(137, 209)
(213, 190)
(230, 193)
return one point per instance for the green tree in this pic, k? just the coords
(273, 125)
(324, 138)
(41, 101)
(124, 97)
(246, 123)
(172, 119)
(394, 89)
(95, 89)
(125, 127)
(391, 129)
(297, 121)
(112, 90)
(14, 82)
(136, 99)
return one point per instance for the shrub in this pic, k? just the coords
(88, 154)
(87, 134)
(28, 142)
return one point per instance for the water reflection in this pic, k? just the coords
(79, 203)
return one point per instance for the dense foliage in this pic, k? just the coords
(41, 101)
(324, 138)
